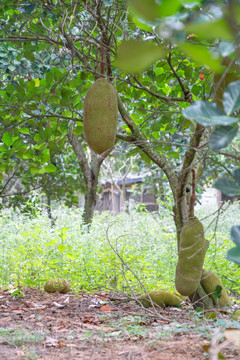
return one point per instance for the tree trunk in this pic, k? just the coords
(90, 167)
(49, 210)
(91, 180)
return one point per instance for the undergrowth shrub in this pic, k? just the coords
(129, 252)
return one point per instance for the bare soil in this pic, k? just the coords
(42, 326)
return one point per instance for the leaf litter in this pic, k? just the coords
(41, 326)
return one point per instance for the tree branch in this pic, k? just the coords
(145, 145)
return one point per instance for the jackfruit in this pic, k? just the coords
(192, 250)
(57, 285)
(161, 298)
(209, 282)
(100, 115)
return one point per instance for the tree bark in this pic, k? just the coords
(49, 210)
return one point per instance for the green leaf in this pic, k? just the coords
(70, 256)
(202, 56)
(235, 234)
(24, 130)
(217, 29)
(29, 8)
(173, 154)
(66, 94)
(168, 7)
(50, 168)
(7, 139)
(18, 293)
(11, 67)
(49, 78)
(51, 243)
(234, 254)
(222, 120)
(135, 56)
(141, 25)
(207, 114)
(151, 10)
(146, 9)
(217, 292)
(202, 111)
(61, 248)
(222, 136)
(227, 187)
(231, 97)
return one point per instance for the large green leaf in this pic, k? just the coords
(235, 235)
(202, 56)
(227, 187)
(234, 254)
(168, 7)
(202, 112)
(222, 136)
(135, 56)
(211, 30)
(50, 168)
(146, 9)
(141, 25)
(208, 114)
(231, 97)
(7, 139)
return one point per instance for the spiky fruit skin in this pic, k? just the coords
(160, 298)
(57, 285)
(209, 282)
(192, 250)
(100, 115)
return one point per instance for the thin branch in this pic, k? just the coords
(187, 92)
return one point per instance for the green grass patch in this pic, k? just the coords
(117, 253)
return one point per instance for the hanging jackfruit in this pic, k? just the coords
(192, 250)
(100, 115)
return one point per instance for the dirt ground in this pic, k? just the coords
(40, 326)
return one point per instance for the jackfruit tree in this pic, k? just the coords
(165, 60)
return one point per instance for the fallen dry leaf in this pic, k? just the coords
(51, 342)
(61, 344)
(107, 308)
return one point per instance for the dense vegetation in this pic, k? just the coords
(128, 253)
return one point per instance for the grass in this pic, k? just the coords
(20, 336)
(116, 253)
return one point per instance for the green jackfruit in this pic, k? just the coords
(209, 282)
(57, 285)
(100, 115)
(161, 298)
(192, 250)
